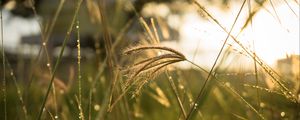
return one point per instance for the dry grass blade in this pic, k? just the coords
(289, 6)
(147, 68)
(152, 47)
(155, 31)
(153, 59)
(239, 117)
(94, 11)
(249, 19)
(147, 28)
(276, 14)
(251, 14)
(156, 63)
(105, 26)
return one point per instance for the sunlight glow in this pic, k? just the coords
(273, 39)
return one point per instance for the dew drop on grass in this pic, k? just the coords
(282, 114)
(159, 53)
(190, 100)
(227, 84)
(77, 26)
(11, 73)
(96, 107)
(90, 79)
(196, 105)
(61, 92)
(56, 117)
(48, 64)
(181, 86)
(262, 105)
(44, 44)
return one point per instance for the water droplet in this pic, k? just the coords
(227, 84)
(11, 73)
(262, 105)
(61, 91)
(48, 64)
(196, 105)
(96, 107)
(181, 86)
(77, 26)
(56, 117)
(282, 114)
(159, 53)
(170, 77)
(44, 44)
(284, 93)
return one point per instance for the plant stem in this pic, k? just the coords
(215, 63)
(59, 58)
(4, 70)
(175, 91)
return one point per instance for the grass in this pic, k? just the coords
(4, 69)
(126, 79)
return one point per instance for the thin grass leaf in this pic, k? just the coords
(151, 47)
(59, 58)
(4, 69)
(176, 93)
(215, 62)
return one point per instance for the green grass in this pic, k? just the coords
(139, 80)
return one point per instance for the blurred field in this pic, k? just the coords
(150, 60)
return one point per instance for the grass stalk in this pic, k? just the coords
(289, 6)
(18, 89)
(240, 97)
(59, 58)
(255, 64)
(4, 69)
(175, 91)
(45, 35)
(110, 59)
(81, 115)
(215, 63)
(273, 7)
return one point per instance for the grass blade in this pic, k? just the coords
(59, 58)
(215, 63)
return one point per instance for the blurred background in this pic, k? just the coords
(33, 34)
